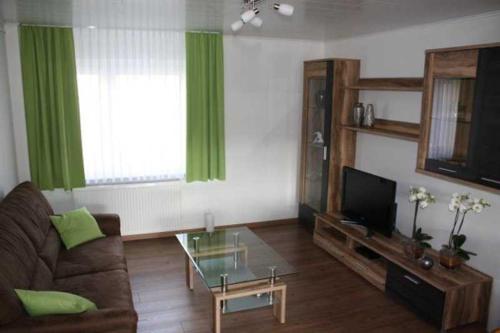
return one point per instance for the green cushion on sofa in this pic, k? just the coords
(41, 303)
(76, 227)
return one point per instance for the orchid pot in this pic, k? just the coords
(452, 255)
(449, 258)
(414, 248)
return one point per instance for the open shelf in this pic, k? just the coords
(390, 84)
(391, 128)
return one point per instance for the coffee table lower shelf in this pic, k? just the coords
(243, 296)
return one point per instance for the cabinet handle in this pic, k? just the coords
(447, 170)
(491, 180)
(412, 280)
(325, 153)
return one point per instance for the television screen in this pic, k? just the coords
(369, 200)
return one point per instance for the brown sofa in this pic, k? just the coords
(33, 257)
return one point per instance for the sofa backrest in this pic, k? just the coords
(27, 258)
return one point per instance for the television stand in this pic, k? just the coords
(367, 253)
(369, 232)
(446, 298)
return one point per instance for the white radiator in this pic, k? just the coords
(142, 208)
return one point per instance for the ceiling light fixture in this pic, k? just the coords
(256, 22)
(251, 11)
(284, 9)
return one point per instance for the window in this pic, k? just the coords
(131, 88)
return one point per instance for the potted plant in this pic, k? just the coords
(452, 254)
(414, 248)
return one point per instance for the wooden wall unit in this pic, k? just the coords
(448, 298)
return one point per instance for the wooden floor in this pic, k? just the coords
(325, 296)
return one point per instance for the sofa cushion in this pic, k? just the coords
(42, 277)
(50, 250)
(76, 227)
(27, 206)
(99, 255)
(18, 260)
(44, 303)
(109, 289)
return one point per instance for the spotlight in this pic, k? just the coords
(249, 15)
(237, 25)
(256, 22)
(284, 9)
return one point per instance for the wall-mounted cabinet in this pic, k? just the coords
(460, 126)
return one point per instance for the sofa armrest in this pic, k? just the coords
(100, 321)
(109, 224)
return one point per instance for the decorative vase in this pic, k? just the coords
(449, 259)
(369, 116)
(413, 249)
(209, 222)
(358, 111)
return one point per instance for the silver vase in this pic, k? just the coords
(369, 116)
(358, 111)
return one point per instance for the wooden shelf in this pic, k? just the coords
(391, 128)
(390, 84)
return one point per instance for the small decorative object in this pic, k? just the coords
(318, 138)
(369, 116)
(414, 248)
(426, 262)
(452, 254)
(209, 222)
(320, 99)
(357, 113)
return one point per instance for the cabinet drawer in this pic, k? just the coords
(425, 299)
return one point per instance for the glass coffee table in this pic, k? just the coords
(240, 269)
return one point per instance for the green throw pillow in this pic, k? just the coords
(76, 227)
(41, 303)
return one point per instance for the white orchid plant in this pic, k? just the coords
(422, 199)
(461, 204)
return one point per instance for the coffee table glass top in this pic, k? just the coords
(237, 252)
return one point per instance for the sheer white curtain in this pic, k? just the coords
(131, 86)
(444, 118)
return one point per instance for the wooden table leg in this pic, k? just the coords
(216, 320)
(189, 273)
(279, 307)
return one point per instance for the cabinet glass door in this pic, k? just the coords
(316, 149)
(451, 127)
(451, 120)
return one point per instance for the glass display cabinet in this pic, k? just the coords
(460, 116)
(316, 124)
(326, 145)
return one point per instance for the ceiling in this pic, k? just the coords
(313, 19)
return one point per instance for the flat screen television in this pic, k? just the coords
(369, 200)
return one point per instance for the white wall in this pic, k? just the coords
(8, 176)
(400, 53)
(263, 101)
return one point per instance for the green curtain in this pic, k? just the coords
(51, 106)
(205, 152)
